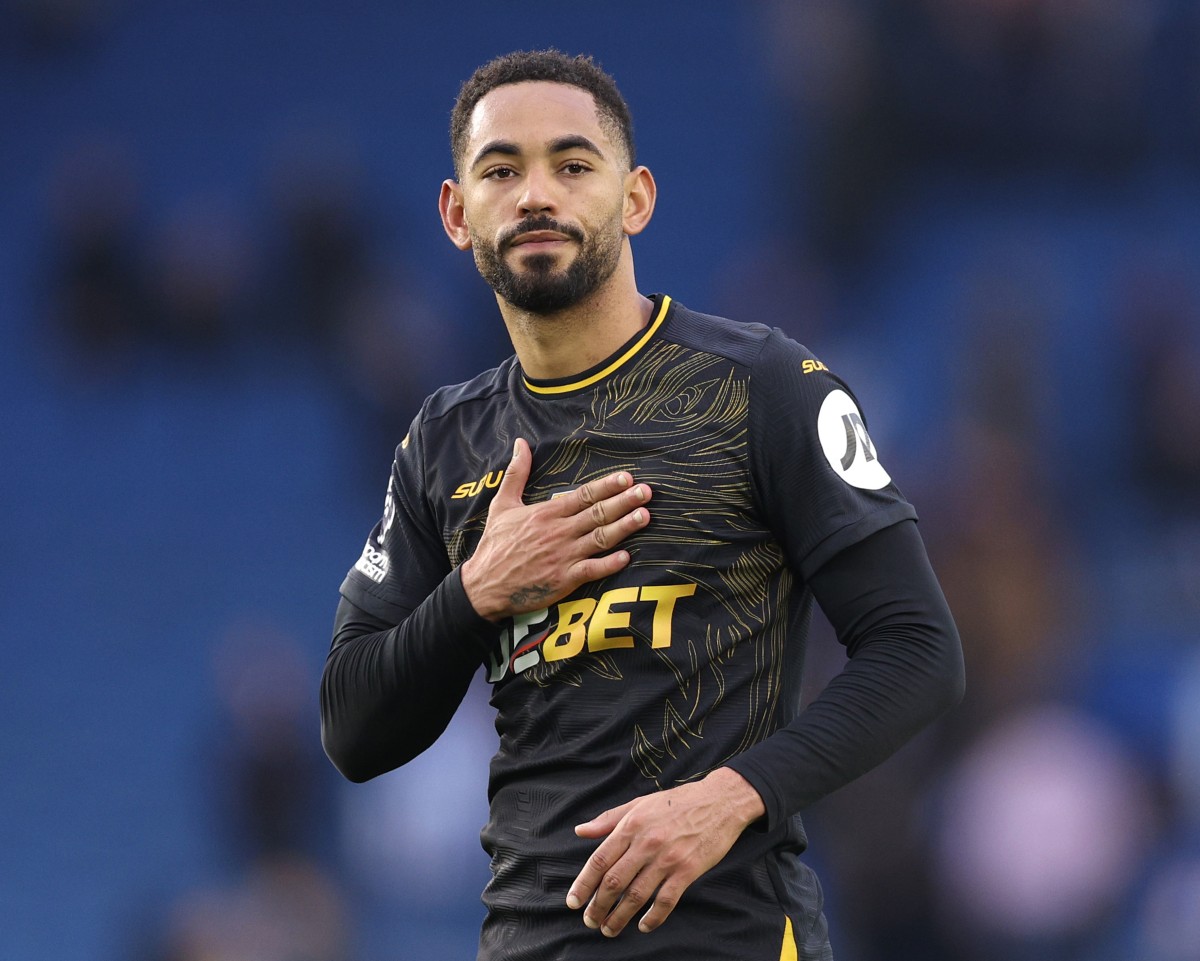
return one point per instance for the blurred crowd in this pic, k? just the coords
(309, 273)
(1048, 431)
(1054, 815)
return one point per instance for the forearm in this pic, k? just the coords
(388, 692)
(905, 669)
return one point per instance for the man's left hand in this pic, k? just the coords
(656, 845)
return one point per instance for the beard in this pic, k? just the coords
(538, 287)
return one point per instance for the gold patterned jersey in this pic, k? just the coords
(688, 659)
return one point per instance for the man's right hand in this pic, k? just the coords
(531, 555)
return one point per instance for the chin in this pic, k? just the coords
(540, 264)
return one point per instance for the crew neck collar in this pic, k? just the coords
(611, 364)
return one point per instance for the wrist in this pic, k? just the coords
(743, 800)
(476, 595)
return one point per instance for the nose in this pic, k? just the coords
(538, 196)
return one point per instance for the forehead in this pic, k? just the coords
(535, 113)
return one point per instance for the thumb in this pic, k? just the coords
(516, 475)
(603, 824)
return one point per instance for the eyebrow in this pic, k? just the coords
(560, 145)
(575, 142)
(505, 147)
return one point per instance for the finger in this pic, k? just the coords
(636, 895)
(516, 476)
(664, 903)
(603, 824)
(611, 886)
(608, 536)
(584, 497)
(597, 867)
(611, 509)
(596, 568)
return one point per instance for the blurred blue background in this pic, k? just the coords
(224, 290)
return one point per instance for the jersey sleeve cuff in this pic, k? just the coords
(358, 595)
(860, 530)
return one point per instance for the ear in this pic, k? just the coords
(454, 216)
(640, 193)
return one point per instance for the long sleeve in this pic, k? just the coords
(905, 668)
(851, 538)
(406, 639)
(387, 693)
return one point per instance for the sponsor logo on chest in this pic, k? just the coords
(570, 627)
(488, 481)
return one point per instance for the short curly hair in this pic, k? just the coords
(545, 65)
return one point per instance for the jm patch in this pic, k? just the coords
(846, 444)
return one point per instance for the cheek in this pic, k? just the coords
(481, 246)
(479, 227)
(478, 212)
(603, 212)
(614, 221)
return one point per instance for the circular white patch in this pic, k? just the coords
(846, 444)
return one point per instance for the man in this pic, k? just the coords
(625, 525)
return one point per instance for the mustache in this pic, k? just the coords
(530, 224)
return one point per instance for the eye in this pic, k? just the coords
(499, 173)
(575, 167)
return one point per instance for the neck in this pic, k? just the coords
(550, 346)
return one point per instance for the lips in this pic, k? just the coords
(540, 233)
(539, 237)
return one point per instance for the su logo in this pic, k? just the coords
(488, 481)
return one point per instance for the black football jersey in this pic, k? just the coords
(762, 469)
